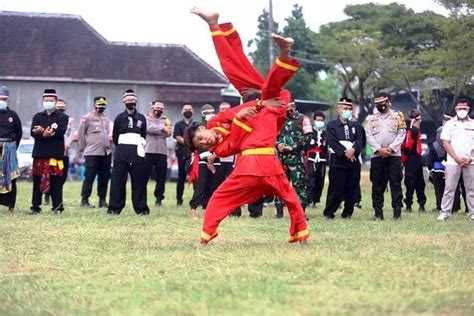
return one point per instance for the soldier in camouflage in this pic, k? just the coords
(291, 145)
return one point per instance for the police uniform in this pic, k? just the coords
(342, 171)
(156, 151)
(294, 134)
(94, 138)
(316, 155)
(386, 130)
(128, 135)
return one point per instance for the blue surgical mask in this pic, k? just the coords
(3, 105)
(318, 124)
(48, 106)
(347, 115)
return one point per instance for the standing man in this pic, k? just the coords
(316, 155)
(291, 145)
(345, 141)
(411, 160)
(61, 106)
(96, 146)
(385, 133)
(182, 152)
(458, 140)
(129, 135)
(158, 129)
(48, 128)
(10, 136)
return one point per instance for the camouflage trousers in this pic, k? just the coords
(297, 176)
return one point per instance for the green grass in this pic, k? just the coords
(85, 262)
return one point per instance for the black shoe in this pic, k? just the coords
(85, 204)
(57, 212)
(113, 212)
(47, 199)
(144, 213)
(408, 209)
(377, 218)
(179, 202)
(33, 213)
(358, 206)
(102, 203)
(329, 217)
(397, 218)
(422, 208)
(158, 202)
(344, 216)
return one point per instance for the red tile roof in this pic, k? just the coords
(64, 46)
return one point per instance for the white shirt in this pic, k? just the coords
(461, 135)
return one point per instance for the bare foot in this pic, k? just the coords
(212, 18)
(284, 43)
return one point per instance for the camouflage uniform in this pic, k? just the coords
(295, 134)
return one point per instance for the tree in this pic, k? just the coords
(260, 56)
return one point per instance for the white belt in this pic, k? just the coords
(205, 154)
(133, 139)
(317, 159)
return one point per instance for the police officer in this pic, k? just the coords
(291, 151)
(385, 132)
(316, 155)
(411, 160)
(158, 129)
(182, 152)
(129, 135)
(345, 143)
(94, 137)
(48, 128)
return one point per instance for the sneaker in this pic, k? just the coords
(102, 203)
(179, 202)
(57, 212)
(443, 217)
(85, 204)
(471, 217)
(158, 203)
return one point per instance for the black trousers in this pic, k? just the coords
(183, 165)
(316, 172)
(342, 184)
(55, 191)
(159, 163)
(383, 171)
(437, 178)
(204, 186)
(414, 181)
(358, 191)
(9, 199)
(96, 166)
(118, 193)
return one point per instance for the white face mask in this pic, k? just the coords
(461, 114)
(319, 124)
(3, 105)
(49, 105)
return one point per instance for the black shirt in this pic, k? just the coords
(49, 147)
(179, 127)
(10, 126)
(337, 131)
(128, 123)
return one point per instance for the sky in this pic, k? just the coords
(169, 21)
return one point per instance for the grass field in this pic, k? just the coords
(87, 263)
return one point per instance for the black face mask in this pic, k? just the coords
(100, 109)
(62, 110)
(381, 107)
(158, 112)
(130, 106)
(188, 114)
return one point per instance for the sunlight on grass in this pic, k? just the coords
(86, 262)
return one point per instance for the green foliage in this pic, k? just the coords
(85, 262)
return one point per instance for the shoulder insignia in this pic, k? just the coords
(401, 121)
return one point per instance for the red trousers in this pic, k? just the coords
(242, 189)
